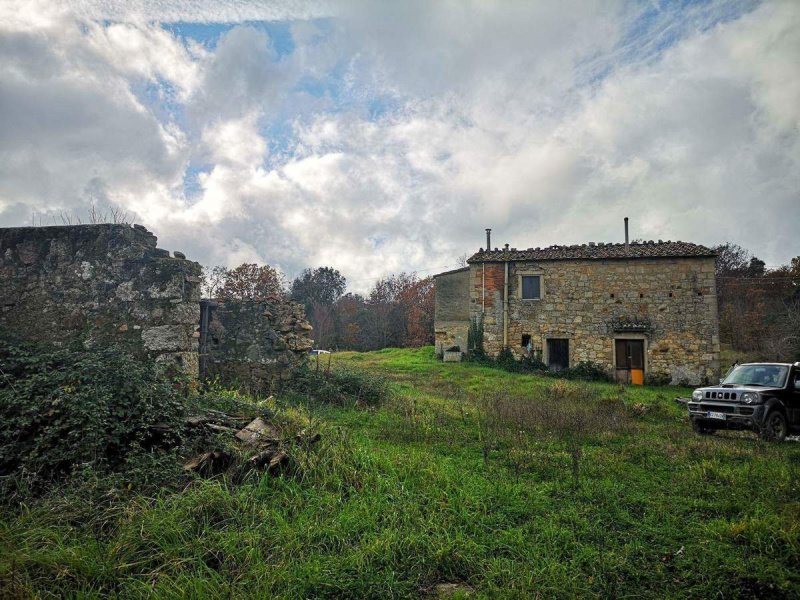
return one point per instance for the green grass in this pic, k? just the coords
(422, 491)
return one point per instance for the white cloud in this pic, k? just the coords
(72, 129)
(145, 51)
(235, 142)
(199, 11)
(241, 75)
(548, 123)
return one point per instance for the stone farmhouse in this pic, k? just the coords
(645, 310)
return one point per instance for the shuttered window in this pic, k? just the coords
(531, 287)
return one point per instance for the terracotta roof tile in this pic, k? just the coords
(599, 251)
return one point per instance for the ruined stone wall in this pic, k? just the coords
(451, 310)
(670, 303)
(100, 284)
(251, 342)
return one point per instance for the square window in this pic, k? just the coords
(526, 339)
(531, 287)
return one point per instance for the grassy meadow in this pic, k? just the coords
(505, 485)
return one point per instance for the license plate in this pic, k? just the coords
(715, 415)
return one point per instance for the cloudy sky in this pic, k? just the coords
(377, 137)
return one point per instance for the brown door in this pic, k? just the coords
(630, 361)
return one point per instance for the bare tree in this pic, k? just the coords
(94, 216)
(213, 281)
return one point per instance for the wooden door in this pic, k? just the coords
(630, 361)
(557, 354)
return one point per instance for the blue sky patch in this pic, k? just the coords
(191, 179)
(279, 32)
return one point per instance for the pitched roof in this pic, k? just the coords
(452, 272)
(599, 251)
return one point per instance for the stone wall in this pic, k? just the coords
(251, 342)
(100, 284)
(451, 311)
(670, 303)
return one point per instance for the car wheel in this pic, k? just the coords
(700, 429)
(774, 428)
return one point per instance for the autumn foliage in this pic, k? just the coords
(759, 308)
(397, 312)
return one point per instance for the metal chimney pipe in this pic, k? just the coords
(626, 234)
(488, 239)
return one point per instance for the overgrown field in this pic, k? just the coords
(507, 485)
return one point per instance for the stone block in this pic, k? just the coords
(452, 356)
(165, 338)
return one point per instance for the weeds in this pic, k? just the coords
(462, 474)
(532, 364)
(90, 408)
(571, 414)
(339, 386)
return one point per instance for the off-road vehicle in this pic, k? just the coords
(762, 397)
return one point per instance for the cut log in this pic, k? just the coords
(278, 463)
(221, 428)
(302, 438)
(210, 463)
(273, 461)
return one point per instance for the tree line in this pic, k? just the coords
(759, 307)
(397, 311)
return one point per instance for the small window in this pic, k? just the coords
(531, 287)
(526, 339)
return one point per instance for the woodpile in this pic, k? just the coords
(268, 448)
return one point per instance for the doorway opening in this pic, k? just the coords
(557, 354)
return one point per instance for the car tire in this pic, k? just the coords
(701, 429)
(774, 428)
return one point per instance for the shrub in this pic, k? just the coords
(94, 408)
(659, 379)
(339, 386)
(508, 362)
(475, 339)
(586, 371)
